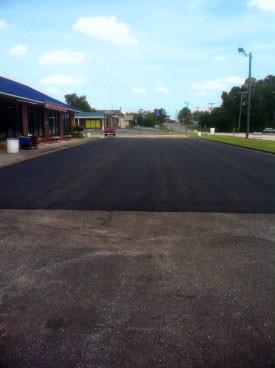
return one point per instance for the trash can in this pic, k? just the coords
(12, 145)
(88, 134)
(199, 134)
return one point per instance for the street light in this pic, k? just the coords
(241, 51)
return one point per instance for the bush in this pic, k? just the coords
(77, 135)
(78, 128)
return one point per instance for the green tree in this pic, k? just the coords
(149, 119)
(184, 116)
(79, 102)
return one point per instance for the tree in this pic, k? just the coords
(185, 115)
(149, 119)
(79, 102)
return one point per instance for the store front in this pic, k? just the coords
(91, 120)
(35, 121)
(53, 117)
(10, 119)
(25, 111)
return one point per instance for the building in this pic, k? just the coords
(28, 112)
(90, 120)
(128, 120)
(100, 119)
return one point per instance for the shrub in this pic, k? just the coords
(78, 128)
(77, 135)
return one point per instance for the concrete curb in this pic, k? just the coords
(236, 145)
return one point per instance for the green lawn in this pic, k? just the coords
(250, 143)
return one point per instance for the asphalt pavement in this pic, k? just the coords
(126, 252)
(121, 174)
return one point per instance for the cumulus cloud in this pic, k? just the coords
(62, 57)
(18, 50)
(218, 83)
(105, 28)
(63, 80)
(139, 90)
(232, 80)
(209, 85)
(3, 24)
(162, 90)
(262, 4)
(51, 90)
(220, 58)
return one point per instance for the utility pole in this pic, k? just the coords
(211, 106)
(186, 102)
(241, 51)
(242, 94)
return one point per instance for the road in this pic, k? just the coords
(114, 288)
(118, 174)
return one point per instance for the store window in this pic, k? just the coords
(35, 121)
(66, 123)
(10, 119)
(53, 123)
(92, 124)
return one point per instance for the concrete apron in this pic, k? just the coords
(139, 289)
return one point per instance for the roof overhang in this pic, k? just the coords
(20, 98)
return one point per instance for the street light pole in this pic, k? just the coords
(241, 104)
(241, 51)
(249, 98)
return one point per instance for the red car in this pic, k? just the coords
(109, 131)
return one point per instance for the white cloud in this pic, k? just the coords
(139, 90)
(202, 93)
(18, 50)
(262, 4)
(62, 57)
(220, 58)
(51, 90)
(105, 28)
(3, 24)
(209, 85)
(162, 90)
(63, 80)
(219, 83)
(232, 80)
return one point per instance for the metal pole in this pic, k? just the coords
(249, 98)
(239, 125)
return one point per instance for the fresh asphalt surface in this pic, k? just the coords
(144, 175)
(112, 288)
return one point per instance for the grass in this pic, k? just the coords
(238, 141)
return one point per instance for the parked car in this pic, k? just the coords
(268, 130)
(109, 131)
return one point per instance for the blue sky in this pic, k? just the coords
(133, 55)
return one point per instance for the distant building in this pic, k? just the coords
(128, 120)
(28, 112)
(100, 119)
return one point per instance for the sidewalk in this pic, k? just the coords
(43, 149)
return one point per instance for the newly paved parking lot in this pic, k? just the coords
(176, 279)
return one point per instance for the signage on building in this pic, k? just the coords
(55, 107)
